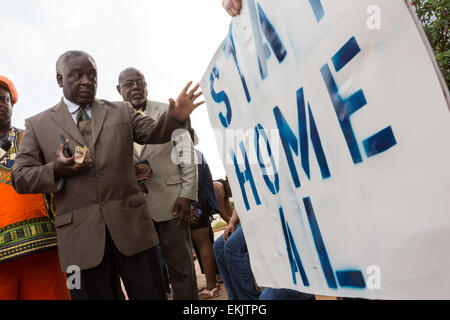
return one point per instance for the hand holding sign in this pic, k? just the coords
(233, 7)
(336, 111)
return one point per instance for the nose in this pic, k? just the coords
(135, 85)
(85, 80)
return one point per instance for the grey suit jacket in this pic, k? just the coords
(174, 170)
(107, 194)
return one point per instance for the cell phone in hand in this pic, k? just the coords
(143, 187)
(66, 146)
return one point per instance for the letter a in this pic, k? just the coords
(74, 280)
(374, 20)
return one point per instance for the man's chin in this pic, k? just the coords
(4, 118)
(138, 102)
(85, 102)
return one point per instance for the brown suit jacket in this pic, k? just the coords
(107, 194)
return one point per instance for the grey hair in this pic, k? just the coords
(62, 60)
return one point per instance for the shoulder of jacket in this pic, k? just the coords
(159, 106)
(41, 115)
(113, 103)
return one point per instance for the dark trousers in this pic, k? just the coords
(177, 251)
(162, 263)
(140, 273)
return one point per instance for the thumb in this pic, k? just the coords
(60, 149)
(176, 209)
(172, 102)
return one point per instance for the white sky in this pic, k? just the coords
(170, 41)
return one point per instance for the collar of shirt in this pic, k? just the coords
(73, 109)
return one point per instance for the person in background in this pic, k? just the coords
(230, 250)
(233, 262)
(29, 262)
(200, 225)
(172, 186)
(232, 259)
(223, 192)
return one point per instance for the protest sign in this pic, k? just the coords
(333, 126)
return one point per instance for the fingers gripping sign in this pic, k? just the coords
(185, 103)
(233, 7)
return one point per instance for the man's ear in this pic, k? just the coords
(59, 79)
(118, 89)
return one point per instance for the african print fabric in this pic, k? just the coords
(26, 221)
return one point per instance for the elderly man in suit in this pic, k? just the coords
(172, 186)
(102, 221)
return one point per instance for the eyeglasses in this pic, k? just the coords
(130, 83)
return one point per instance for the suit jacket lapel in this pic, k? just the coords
(98, 118)
(135, 154)
(153, 112)
(63, 118)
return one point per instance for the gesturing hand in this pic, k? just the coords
(233, 7)
(183, 208)
(229, 229)
(185, 103)
(65, 167)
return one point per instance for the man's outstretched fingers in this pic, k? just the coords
(197, 95)
(199, 104)
(192, 92)
(186, 88)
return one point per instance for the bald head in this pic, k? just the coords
(133, 88)
(126, 71)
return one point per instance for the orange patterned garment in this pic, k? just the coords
(25, 227)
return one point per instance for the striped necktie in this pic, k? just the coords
(84, 125)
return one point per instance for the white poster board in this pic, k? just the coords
(334, 131)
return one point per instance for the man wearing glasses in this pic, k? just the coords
(171, 184)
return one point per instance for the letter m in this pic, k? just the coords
(291, 143)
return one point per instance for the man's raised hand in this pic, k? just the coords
(185, 103)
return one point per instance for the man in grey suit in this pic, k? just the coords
(102, 221)
(172, 186)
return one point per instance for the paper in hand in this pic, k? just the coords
(81, 154)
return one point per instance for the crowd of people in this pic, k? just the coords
(117, 192)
